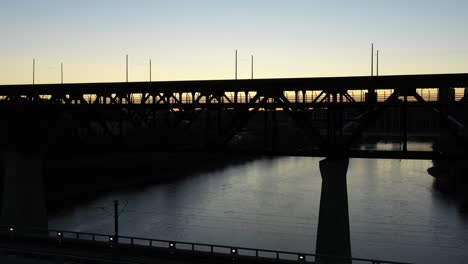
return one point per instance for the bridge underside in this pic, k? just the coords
(315, 116)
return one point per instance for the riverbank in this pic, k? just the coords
(450, 179)
(74, 179)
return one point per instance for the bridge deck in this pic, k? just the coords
(333, 113)
(302, 92)
(294, 84)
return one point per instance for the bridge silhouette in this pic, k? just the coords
(333, 114)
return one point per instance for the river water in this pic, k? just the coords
(395, 214)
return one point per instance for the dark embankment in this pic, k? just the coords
(72, 179)
(450, 177)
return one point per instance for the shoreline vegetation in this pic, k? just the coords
(71, 180)
(77, 178)
(450, 176)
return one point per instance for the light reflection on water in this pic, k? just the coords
(391, 146)
(273, 203)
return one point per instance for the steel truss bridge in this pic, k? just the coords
(332, 113)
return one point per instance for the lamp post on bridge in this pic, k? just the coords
(371, 95)
(34, 72)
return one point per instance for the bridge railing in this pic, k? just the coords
(62, 236)
(198, 98)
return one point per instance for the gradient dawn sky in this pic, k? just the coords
(196, 39)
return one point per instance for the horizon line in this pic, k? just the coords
(249, 79)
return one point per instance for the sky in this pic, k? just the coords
(197, 39)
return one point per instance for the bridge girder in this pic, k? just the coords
(180, 105)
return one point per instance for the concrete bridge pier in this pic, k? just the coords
(26, 134)
(23, 200)
(333, 234)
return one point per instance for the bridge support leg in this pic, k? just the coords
(23, 201)
(333, 236)
(371, 96)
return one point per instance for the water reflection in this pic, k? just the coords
(273, 203)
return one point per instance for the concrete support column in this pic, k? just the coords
(333, 236)
(23, 200)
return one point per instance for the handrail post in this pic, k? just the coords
(116, 222)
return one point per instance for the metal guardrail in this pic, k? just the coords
(65, 257)
(173, 246)
(428, 94)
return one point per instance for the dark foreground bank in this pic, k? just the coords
(72, 179)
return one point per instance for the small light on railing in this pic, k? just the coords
(59, 234)
(301, 258)
(111, 239)
(233, 251)
(12, 229)
(171, 245)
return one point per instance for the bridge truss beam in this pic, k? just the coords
(332, 112)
